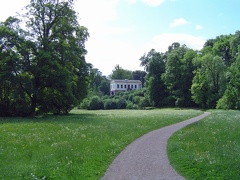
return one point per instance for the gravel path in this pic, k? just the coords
(146, 158)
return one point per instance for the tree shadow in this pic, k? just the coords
(69, 118)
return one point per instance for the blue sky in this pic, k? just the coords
(121, 31)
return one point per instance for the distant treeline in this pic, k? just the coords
(183, 77)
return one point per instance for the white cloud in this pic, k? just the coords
(154, 2)
(178, 22)
(92, 11)
(11, 7)
(162, 41)
(131, 1)
(107, 53)
(198, 27)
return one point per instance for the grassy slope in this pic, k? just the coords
(209, 149)
(78, 146)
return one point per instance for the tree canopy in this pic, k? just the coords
(43, 69)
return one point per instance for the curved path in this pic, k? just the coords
(146, 158)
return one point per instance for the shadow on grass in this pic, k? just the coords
(83, 118)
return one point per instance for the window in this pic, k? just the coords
(128, 86)
(135, 86)
(131, 86)
(125, 86)
(121, 86)
(117, 85)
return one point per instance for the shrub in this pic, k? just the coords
(95, 103)
(110, 104)
(144, 102)
(84, 104)
(122, 104)
(130, 105)
(136, 99)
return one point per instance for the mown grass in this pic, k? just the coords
(78, 146)
(209, 149)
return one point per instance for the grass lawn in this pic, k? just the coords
(77, 146)
(209, 149)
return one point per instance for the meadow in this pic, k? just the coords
(208, 149)
(80, 145)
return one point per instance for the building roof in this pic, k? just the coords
(125, 81)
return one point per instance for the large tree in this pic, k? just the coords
(154, 64)
(14, 80)
(48, 67)
(209, 81)
(231, 97)
(178, 73)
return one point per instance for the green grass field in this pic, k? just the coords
(209, 149)
(77, 146)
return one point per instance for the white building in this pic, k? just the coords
(124, 85)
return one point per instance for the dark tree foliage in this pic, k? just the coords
(154, 64)
(120, 73)
(139, 75)
(179, 74)
(99, 84)
(231, 97)
(45, 64)
(194, 77)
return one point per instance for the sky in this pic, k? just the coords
(122, 31)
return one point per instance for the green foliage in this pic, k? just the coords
(131, 105)
(122, 100)
(209, 81)
(98, 84)
(231, 97)
(110, 104)
(139, 75)
(120, 73)
(95, 103)
(122, 104)
(222, 49)
(187, 78)
(179, 74)
(84, 104)
(154, 64)
(44, 63)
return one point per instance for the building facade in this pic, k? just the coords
(124, 85)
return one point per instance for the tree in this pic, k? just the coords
(105, 86)
(99, 84)
(174, 75)
(222, 48)
(187, 75)
(231, 97)
(139, 75)
(154, 63)
(120, 73)
(235, 45)
(209, 81)
(60, 41)
(15, 80)
(49, 65)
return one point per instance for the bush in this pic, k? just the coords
(110, 104)
(84, 104)
(95, 103)
(144, 102)
(130, 105)
(136, 99)
(122, 104)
